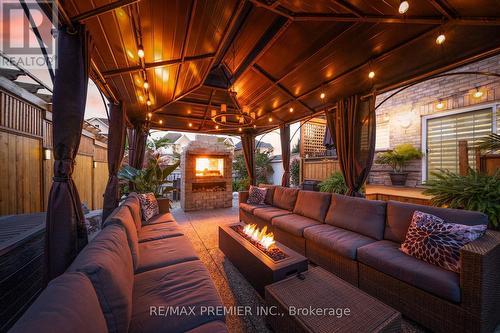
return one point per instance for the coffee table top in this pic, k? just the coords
(322, 289)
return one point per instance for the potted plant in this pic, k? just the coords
(151, 179)
(398, 159)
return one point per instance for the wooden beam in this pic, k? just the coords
(268, 77)
(348, 7)
(212, 93)
(101, 10)
(201, 103)
(272, 34)
(443, 8)
(156, 64)
(463, 158)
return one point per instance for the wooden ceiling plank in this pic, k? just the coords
(156, 64)
(348, 7)
(102, 10)
(443, 8)
(268, 77)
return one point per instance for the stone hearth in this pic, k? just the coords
(206, 184)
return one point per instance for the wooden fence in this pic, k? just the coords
(318, 169)
(26, 168)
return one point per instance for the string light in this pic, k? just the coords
(270, 119)
(148, 102)
(371, 75)
(140, 52)
(216, 126)
(190, 124)
(146, 84)
(440, 39)
(240, 129)
(322, 96)
(291, 110)
(150, 114)
(161, 121)
(403, 7)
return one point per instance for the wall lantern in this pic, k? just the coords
(46, 154)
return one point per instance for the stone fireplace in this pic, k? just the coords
(206, 174)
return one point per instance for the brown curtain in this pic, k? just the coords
(248, 145)
(66, 233)
(116, 148)
(285, 153)
(137, 137)
(353, 125)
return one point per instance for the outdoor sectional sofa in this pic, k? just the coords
(359, 240)
(126, 279)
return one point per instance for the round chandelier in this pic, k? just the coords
(233, 117)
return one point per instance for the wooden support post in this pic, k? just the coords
(463, 158)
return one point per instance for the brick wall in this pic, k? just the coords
(403, 113)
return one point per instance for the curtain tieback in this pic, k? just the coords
(61, 179)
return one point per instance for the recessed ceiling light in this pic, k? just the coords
(371, 75)
(140, 52)
(216, 126)
(240, 129)
(254, 126)
(146, 85)
(161, 121)
(190, 125)
(322, 96)
(270, 119)
(291, 110)
(440, 39)
(403, 7)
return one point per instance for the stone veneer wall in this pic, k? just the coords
(403, 113)
(205, 146)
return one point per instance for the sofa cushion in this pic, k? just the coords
(185, 285)
(161, 218)
(68, 304)
(269, 194)
(165, 252)
(249, 208)
(159, 231)
(285, 197)
(366, 217)
(293, 223)
(400, 214)
(133, 203)
(211, 327)
(122, 216)
(268, 213)
(341, 241)
(106, 260)
(312, 204)
(386, 257)
(437, 242)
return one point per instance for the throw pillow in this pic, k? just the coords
(437, 242)
(256, 195)
(149, 206)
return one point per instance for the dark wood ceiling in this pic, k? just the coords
(276, 54)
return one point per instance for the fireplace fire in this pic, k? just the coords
(209, 167)
(261, 239)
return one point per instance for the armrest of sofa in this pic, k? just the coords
(243, 196)
(479, 276)
(163, 205)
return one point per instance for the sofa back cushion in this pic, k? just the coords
(68, 304)
(269, 194)
(106, 260)
(400, 214)
(285, 197)
(133, 203)
(313, 205)
(122, 215)
(366, 217)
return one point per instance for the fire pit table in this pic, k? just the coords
(259, 264)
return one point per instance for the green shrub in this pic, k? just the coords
(334, 184)
(242, 184)
(475, 191)
(399, 157)
(295, 172)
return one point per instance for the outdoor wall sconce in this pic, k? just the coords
(46, 154)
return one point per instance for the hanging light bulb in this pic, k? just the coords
(240, 129)
(403, 7)
(371, 75)
(140, 52)
(146, 84)
(440, 105)
(161, 121)
(322, 96)
(440, 39)
(291, 110)
(148, 102)
(150, 114)
(478, 93)
(216, 126)
(270, 119)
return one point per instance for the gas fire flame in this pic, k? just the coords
(260, 236)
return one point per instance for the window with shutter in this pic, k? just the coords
(444, 133)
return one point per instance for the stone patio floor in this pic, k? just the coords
(202, 229)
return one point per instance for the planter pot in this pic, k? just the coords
(398, 178)
(163, 205)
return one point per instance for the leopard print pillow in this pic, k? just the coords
(149, 206)
(256, 195)
(437, 242)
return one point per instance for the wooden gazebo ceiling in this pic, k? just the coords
(277, 54)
